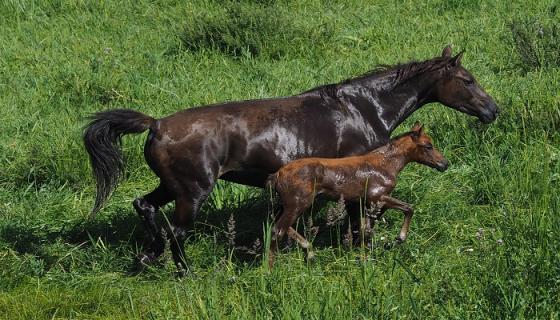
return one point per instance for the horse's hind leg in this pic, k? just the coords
(186, 209)
(191, 185)
(147, 207)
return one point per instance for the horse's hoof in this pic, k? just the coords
(181, 273)
(146, 259)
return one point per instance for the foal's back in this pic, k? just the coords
(349, 176)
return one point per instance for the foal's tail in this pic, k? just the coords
(271, 181)
(272, 194)
(102, 139)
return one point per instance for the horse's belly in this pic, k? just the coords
(249, 178)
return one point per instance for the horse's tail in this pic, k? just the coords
(102, 139)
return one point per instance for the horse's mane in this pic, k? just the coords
(396, 74)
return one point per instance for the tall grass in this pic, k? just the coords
(251, 29)
(537, 40)
(483, 241)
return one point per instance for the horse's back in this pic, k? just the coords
(233, 136)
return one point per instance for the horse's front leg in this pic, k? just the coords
(359, 223)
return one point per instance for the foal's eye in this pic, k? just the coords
(428, 146)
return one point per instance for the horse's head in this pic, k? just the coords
(422, 150)
(458, 89)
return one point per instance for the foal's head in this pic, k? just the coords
(458, 89)
(422, 150)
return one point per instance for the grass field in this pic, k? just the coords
(483, 243)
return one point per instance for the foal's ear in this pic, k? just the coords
(417, 129)
(456, 60)
(446, 52)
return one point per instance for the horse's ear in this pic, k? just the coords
(456, 60)
(446, 53)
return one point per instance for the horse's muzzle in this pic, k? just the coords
(489, 113)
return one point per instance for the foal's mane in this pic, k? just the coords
(396, 74)
(397, 137)
(391, 144)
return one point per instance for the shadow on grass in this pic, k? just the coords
(122, 231)
(122, 227)
(245, 226)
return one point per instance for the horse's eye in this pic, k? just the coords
(468, 81)
(428, 146)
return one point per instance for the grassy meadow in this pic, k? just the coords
(483, 241)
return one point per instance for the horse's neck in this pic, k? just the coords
(390, 106)
(403, 102)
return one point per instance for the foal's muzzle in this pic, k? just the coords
(442, 165)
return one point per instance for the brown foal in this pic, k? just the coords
(373, 176)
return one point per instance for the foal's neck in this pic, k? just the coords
(395, 155)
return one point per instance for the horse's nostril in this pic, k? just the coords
(493, 107)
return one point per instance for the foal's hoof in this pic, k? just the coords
(388, 245)
(358, 242)
(310, 257)
(391, 245)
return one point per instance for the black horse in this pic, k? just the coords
(246, 141)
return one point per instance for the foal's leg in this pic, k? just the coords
(281, 228)
(309, 254)
(147, 207)
(392, 203)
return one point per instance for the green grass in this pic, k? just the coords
(61, 60)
